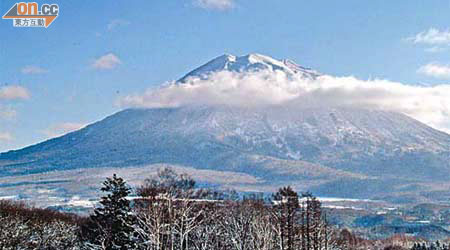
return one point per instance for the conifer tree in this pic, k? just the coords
(112, 222)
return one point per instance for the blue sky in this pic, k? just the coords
(73, 72)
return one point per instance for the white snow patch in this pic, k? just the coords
(9, 197)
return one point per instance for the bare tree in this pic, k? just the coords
(23, 227)
(262, 231)
(285, 208)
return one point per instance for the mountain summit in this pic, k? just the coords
(250, 63)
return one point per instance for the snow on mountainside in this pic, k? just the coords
(345, 152)
(250, 62)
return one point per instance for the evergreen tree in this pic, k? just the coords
(112, 223)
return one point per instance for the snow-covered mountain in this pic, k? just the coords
(250, 62)
(334, 151)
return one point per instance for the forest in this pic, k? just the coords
(169, 211)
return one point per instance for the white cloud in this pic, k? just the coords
(215, 4)
(62, 129)
(13, 92)
(116, 23)
(435, 70)
(106, 62)
(4, 136)
(30, 69)
(430, 105)
(432, 36)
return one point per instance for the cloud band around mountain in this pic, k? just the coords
(430, 105)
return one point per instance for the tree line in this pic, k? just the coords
(171, 213)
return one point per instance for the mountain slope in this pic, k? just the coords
(206, 136)
(326, 149)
